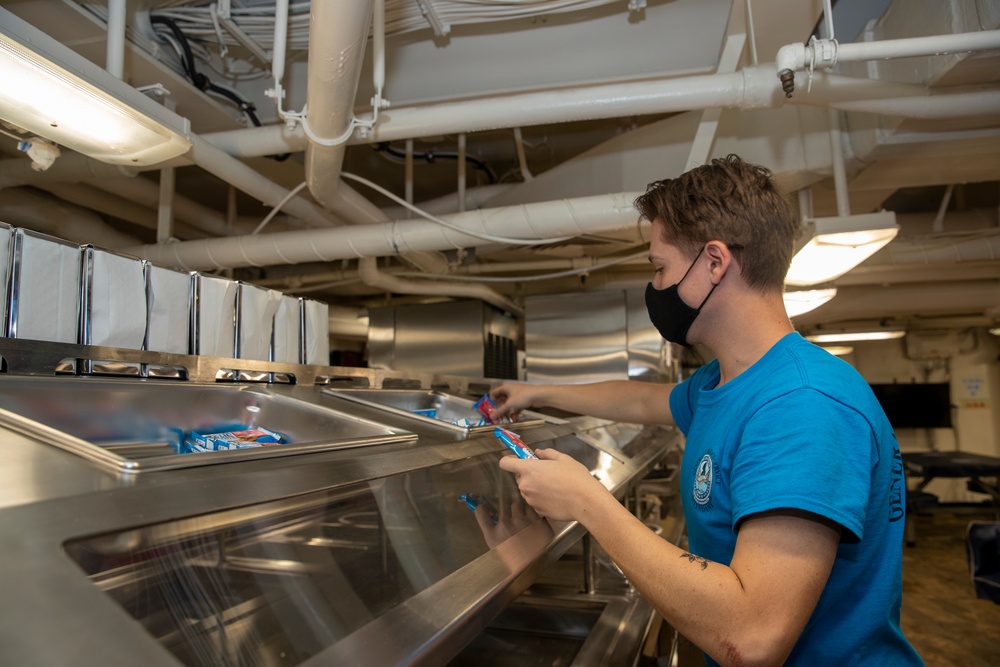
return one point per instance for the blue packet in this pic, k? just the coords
(514, 443)
(473, 500)
(427, 412)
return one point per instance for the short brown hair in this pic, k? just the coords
(732, 201)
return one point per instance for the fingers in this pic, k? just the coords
(511, 463)
(484, 519)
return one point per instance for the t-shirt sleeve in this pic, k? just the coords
(682, 400)
(808, 452)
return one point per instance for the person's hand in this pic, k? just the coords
(557, 486)
(511, 398)
(509, 520)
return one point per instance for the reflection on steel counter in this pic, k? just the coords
(277, 583)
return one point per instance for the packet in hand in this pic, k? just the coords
(486, 407)
(514, 443)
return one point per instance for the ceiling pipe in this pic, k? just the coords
(338, 33)
(567, 217)
(114, 61)
(71, 167)
(145, 192)
(826, 53)
(371, 276)
(232, 171)
(751, 87)
(90, 197)
(24, 207)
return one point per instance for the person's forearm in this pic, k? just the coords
(703, 601)
(620, 400)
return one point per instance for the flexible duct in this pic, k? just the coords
(569, 217)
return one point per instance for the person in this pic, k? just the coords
(791, 477)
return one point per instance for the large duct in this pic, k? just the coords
(561, 218)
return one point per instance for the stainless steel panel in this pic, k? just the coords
(6, 247)
(137, 426)
(461, 338)
(575, 337)
(448, 410)
(47, 595)
(278, 583)
(446, 338)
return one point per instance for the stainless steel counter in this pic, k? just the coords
(343, 555)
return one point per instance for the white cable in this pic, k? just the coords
(526, 279)
(274, 211)
(445, 223)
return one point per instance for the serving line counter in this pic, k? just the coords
(352, 544)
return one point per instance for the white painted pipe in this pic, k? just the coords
(461, 173)
(145, 192)
(839, 171)
(932, 107)
(71, 167)
(165, 210)
(280, 41)
(826, 53)
(232, 171)
(100, 201)
(338, 33)
(371, 276)
(22, 207)
(115, 57)
(567, 217)
(930, 45)
(753, 87)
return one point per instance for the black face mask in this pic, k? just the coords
(668, 312)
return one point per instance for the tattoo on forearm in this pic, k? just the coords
(695, 559)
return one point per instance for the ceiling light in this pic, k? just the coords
(803, 301)
(51, 91)
(853, 336)
(838, 244)
(839, 350)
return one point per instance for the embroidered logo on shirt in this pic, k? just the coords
(703, 480)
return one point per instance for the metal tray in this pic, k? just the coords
(449, 409)
(133, 425)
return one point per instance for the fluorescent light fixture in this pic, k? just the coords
(839, 244)
(51, 91)
(853, 336)
(803, 301)
(839, 350)
(995, 331)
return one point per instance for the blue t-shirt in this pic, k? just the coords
(801, 429)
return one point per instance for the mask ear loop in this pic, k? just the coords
(693, 262)
(705, 300)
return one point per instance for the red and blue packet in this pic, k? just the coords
(514, 443)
